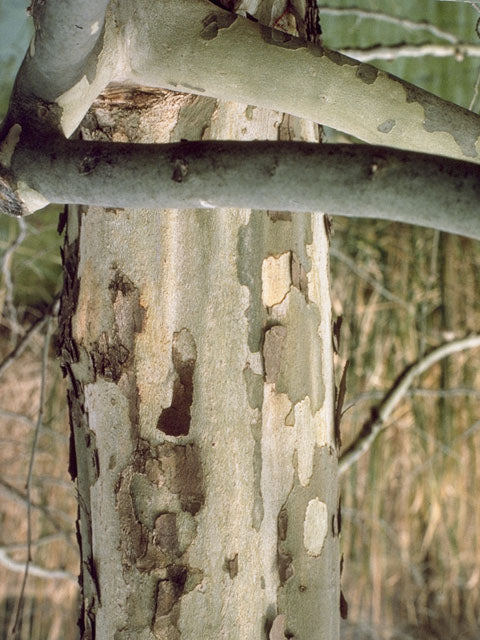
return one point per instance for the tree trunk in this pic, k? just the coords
(199, 352)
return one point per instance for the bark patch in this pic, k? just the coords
(231, 566)
(214, 22)
(182, 472)
(462, 126)
(175, 420)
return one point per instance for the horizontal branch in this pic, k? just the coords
(351, 180)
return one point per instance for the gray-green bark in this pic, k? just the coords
(350, 180)
(195, 46)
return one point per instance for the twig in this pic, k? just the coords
(380, 414)
(463, 436)
(459, 51)
(43, 389)
(53, 537)
(33, 570)
(12, 493)
(475, 91)
(7, 305)
(364, 275)
(455, 392)
(405, 23)
(21, 346)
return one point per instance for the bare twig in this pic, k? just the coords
(12, 493)
(380, 414)
(404, 23)
(475, 91)
(39, 542)
(455, 392)
(33, 570)
(7, 305)
(31, 332)
(471, 431)
(364, 275)
(459, 51)
(21, 346)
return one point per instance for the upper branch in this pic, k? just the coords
(64, 53)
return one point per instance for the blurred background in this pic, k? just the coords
(411, 521)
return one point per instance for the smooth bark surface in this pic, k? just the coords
(350, 180)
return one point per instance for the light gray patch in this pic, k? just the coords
(280, 38)
(460, 123)
(263, 236)
(293, 357)
(212, 23)
(367, 73)
(301, 574)
(254, 387)
(386, 126)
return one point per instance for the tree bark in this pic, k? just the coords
(199, 353)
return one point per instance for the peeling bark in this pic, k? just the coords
(200, 472)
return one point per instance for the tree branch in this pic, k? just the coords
(372, 427)
(350, 180)
(34, 570)
(197, 47)
(378, 16)
(230, 57)
(458, 51)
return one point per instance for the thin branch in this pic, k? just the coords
(364, 275)
(475, 92)
(7, 305)
(459, 51)
(12, 493)
(28, 486)
(34, 570)
(25, 341)
(379, 415)
(340, 179)
(404, 23)
(471, 431)
(455, 392)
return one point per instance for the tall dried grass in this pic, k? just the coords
(411, 518)
(49, 611)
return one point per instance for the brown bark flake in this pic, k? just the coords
(175, 420)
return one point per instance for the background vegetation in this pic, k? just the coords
(411, 521)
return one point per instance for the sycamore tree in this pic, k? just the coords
(196, 339)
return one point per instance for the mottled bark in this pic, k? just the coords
(198, 348)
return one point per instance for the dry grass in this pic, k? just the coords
(49, 611)
(410, 513)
